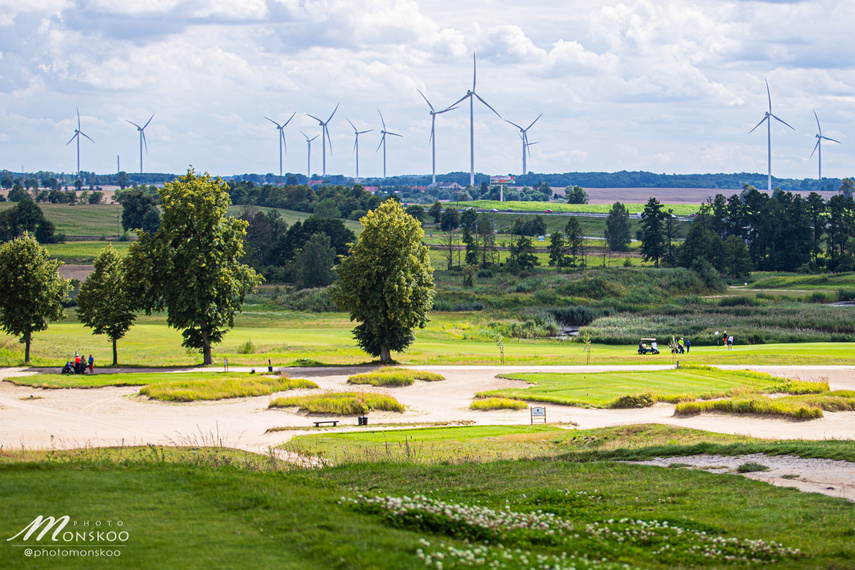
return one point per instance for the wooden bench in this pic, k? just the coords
(333, 422)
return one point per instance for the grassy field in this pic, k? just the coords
(80, 219)
(540, 207)
(290, 338)
(201, 508)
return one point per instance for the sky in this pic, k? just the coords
(662, 86)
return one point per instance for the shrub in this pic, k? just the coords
(342, 403)
(246, 348)
(632, 401)
(394, 377)
(751, 467)
(222, 388)
(498, 404)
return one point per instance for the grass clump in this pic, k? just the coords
(342, 403)
(391, 376)
(632, 401)
(498, 404)
(222, 388)
(761, 405)
(246, 348)
(751, 467)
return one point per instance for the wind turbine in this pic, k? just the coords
(471, 94)
(433, 114)
(77, 133)
(356, 143)
(141, 130)
(383, 141)
(326, 135)
(309, 142)
(768, 119)
(282, 142)
(819, 138)
(524, 136)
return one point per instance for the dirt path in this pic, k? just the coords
(68, 418)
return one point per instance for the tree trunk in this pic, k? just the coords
(115, 354)
(206, 343)
(385, 355)
(27, 338)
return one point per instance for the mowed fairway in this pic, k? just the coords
(600, 389)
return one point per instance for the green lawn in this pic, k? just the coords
(601, 389)
(203, 508)
(80, 219)
(540, 207)
(84, 252)
(105, 378)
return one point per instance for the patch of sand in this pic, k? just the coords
(112, 416)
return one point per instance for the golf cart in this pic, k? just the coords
(648, 346)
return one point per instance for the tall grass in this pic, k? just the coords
(485, 404)
(342, 403)
(803, 407)
(390, 376)
(222, 388)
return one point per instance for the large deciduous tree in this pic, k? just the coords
(386, 283)
(139, 211)
(31, 290)
(190, 266)
(103, 303)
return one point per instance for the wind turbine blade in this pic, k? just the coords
(305, 135)
(446, 110)
(461, 99)
(333, 113)
(816, 146)
(145, 142)
(381, 119)
(769, 95)
(149, 120)
(136, 125)
(363, 132)
(534, 121)
(352, 125)
(514, 124)
(78, 117)
(395, 135)
(817, 122)
(382, 140)
(286, 122)
(313, 138)
(781, 120)
(474, 71)
(269, 119)
(328, 133)
(758, 124)
(488, 105)
(432, 129)
(426, 100)
(830, 139)
(282, 136)
(315, 118)
(85, 135)
(71, 139)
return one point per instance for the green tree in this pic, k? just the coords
(450, 220)
(139, 211)
(315, 262)
(847, 187)
(521, 255)
(617, 228)
(386, 283)
(557, 255)
(122, 180)
(31, 290)
(576, 195)
(190, 266)
(468, 218)
(653, 232)
(435, 211)
(416, 211)
(737, 261)
(575, 243)
(103, 303)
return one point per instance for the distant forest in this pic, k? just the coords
(622, 179)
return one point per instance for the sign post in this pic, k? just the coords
(501, 181)
(539, 413)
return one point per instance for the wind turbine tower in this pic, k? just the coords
(819, 138)
(326, 135)
(383, 140)
(768, 119)
(309, 143)
(433, 114)
(141, 130)
(356, 143)
(77, 133)
(524, 136)
(282, 142)
(471, 94)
